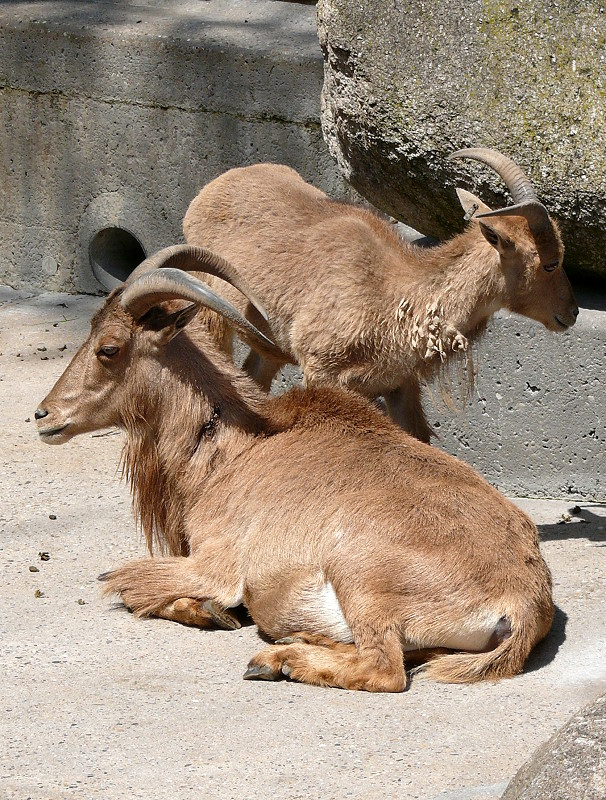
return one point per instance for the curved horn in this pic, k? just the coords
(198, 259)
(526, 202)
(519, 185)
(160, 284)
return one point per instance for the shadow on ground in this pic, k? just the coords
(584, 524)
(545, 652)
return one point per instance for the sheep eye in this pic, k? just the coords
(108, 350)
(550, 267)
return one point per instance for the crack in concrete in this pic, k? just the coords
(259, 117)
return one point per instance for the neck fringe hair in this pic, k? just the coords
(447, 352)
(151, 489)
(461, 371)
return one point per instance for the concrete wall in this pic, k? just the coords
(535, 423)
(117, 113)
(114, 114)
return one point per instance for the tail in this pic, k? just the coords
(505, 661)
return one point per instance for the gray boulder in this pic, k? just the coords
(408, 83)
(571, 765)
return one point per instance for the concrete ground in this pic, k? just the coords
(95, 703)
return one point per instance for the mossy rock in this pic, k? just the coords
(406, 84)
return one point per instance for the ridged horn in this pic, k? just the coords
(198, 259)
(526, 202)
(160, 284)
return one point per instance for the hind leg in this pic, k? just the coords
(376, 667)
(316, 639)
(320, 652)
(413, 657)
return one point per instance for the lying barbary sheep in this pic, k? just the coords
(356, 306)
(354, 546)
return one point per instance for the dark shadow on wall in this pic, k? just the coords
(590, 293)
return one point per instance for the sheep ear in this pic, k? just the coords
(468, 201)
(168, 325)
(184, 316)
(495, 237)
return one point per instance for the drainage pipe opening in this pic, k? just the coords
(114, 253)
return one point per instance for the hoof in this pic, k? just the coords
(260, 672)
(286, 670)
(287, 640)
(105, 576)
(221, 618)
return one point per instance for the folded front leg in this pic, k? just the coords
(193, 590)
(199, 613)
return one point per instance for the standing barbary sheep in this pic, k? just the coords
(351, 542)
(357, 306)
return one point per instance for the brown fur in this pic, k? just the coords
(311, 508)
(355, 305)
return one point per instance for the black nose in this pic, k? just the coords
(41, 413)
